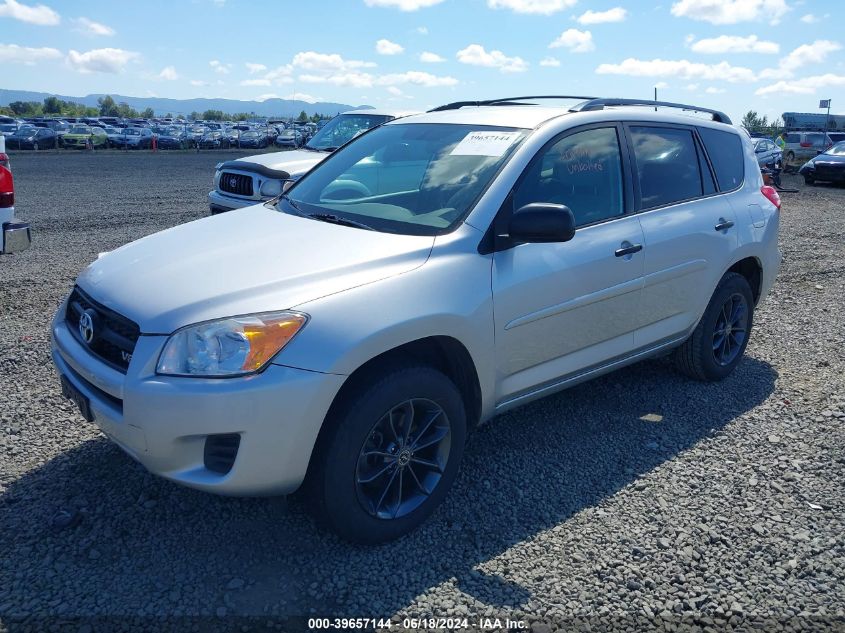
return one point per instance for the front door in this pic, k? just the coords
(561, 308)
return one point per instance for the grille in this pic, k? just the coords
(236, 183)
(220, 452)
(114, 337)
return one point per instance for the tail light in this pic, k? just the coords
(7, 187)
(806, 144)
(4, 160)
(771, 195)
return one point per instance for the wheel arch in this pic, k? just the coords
(752, 269)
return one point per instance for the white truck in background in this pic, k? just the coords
(16, 236)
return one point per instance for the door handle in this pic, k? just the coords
(723, 225)
(628, 250)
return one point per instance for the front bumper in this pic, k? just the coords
(164, 422)
(220, 203)
(16, 237)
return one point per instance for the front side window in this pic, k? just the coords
(582, 171)
(667, 165)
(413, 178)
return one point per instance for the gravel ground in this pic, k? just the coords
(641, 500)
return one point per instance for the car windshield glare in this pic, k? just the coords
(80, 129)
(837, 150)
(410, 178)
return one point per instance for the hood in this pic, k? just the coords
(294, 163)
(254, 259)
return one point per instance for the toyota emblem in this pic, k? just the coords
(86, 327)
(233, 181)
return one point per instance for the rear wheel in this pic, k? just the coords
(718, 342)
(389, 456)
(789, 157)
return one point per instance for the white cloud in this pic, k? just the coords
(353, 79)
(677, 68)
(280, 75)
(386, 47)
(813, 53)
(220, 67)
(536, 7)
(712, 90)
(422, 30)
(417, 78)
(730, 11)
(301, 96)
(431, 58)
(809, 19)
(617, 14)
(576, 41)
(309, 60)
(169, 73)
(255, 68)
(805, 85)
(396, 92)
(198, 82)
(100, 60)
(735, 44)
(89, 27)
(403, 5)
(256, 82)
(660, 85)
(550, 62)
(475, 55)
(691, 87)
(15, 54)
(38, 14)
(269, 95)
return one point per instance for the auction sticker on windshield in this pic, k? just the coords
(485, 143)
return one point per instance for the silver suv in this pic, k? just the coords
(434, 272)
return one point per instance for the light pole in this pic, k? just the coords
(825, 103)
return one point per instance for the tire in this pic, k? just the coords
(809, 180)
(790, 156)
(699, 357)
(360, 511)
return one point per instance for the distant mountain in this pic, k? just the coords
(161, 106)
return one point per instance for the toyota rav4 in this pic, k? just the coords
(439, 269)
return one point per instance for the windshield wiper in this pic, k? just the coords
(336, 219)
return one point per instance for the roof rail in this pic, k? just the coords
(601, 104)
(505, 101)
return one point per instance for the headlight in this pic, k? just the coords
(228, 347)
(271, 188)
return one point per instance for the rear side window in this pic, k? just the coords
(667, 165)
(725, 151)
(793, 138)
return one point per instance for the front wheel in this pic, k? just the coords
(717, 344)
(389, 455)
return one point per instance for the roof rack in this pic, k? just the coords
(601, 104)
(505, 101)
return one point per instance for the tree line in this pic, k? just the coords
(55, 107)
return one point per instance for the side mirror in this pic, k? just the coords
(542, 222)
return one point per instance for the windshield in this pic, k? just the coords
(131, 132)
(8, 127)
(415, 179)
(80, 129)
(27, 129)
(837, 150)
(343, 128)
(249, 134)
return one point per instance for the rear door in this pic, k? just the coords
(687, 225)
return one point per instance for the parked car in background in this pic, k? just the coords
(767, 152)
(836, 137)
(195, 133)
(253, 138)
(7, 129)
(15, 236)
(111, 132)
(31, 137)
(802, 146)
(290, 138)
(134, 138)
(83, 136)
(215, 140)
(253, 179)
(433, 273)
(173, 137)
(829, 166)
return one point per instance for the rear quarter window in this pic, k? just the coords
(793, 138)
(726, 157)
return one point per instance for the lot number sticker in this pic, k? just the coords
(485, 143)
